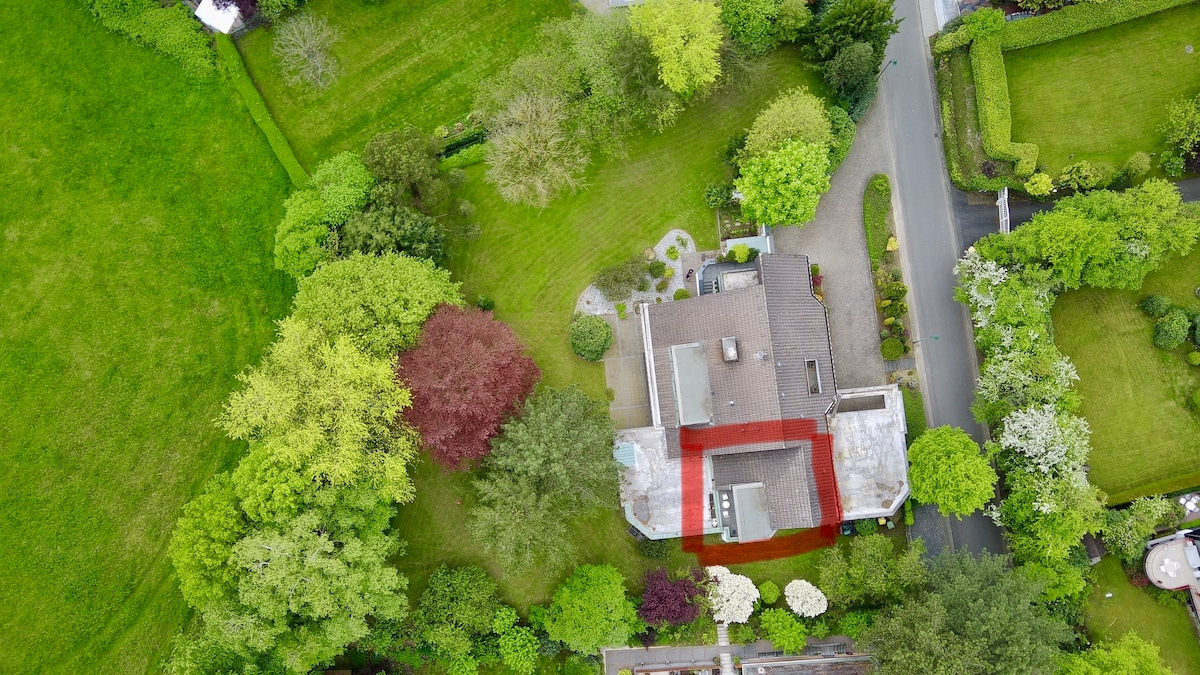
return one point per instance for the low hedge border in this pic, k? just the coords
(259, 110)
(991, 81)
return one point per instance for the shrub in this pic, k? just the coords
(843, 129)
(1193, 358)
(272, 9)
(682, 294)
(877, 204)
(1155, 305)
(1039, 185)
(742, 634)
(485, 302)
(866, 526)
(258, 109)
(620, 307)
(893, 290)
(1194, 401)
(768, 592)
(655, 549)
(669, 273)
(853, 623)
(896, 309)
(672, 253)
(618, 281)
(591, 336)
(468, 156)
(1196, 330)
(1084, 175)
(657, 269)
(1172, 164)
(740, 252)
(784, 630)
(1171, 329)
(661, 286)
(892, 349)
(1182, 127)
(1137, 165)
(302, 45)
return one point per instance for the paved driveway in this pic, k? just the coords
(835, 240)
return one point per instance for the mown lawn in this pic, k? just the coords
(1100, 96)
(136, 279)
(416, 61)
(1133, 609)
(535, 262)
(1144, 439)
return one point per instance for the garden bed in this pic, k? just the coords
(592, 301)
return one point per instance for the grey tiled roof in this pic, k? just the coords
(786, 473)
(779, 325)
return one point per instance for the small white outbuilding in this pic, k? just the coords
(217, 18)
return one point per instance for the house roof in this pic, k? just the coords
(783, 371)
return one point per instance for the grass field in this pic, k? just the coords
(136, 279)
(535, 262)
(1100, 96)
(1131, 608)
(1144, 439)
(416, 61)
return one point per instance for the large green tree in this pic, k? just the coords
(949, 470)
(841, 23)
(1130, 655)
(203, 540)
(871, 573)
(458, 606)
(980, 616)
(751, 24)
(389, 229)
(300, 236)
(378, 303)
(590, 610)
(1126, 531)
(552, 463)
(685, 37)
(1182, 127)
(783, 187)
(853, 74)
(795, 115)
(327, 406)
(343, 183)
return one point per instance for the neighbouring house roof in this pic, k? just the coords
(783, 370)
(217, 18)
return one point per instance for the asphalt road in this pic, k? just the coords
(931, 243)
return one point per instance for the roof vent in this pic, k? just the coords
(729, 349)
(761, 355)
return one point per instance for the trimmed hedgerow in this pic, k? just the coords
(994, 108)
(259, 111)
(1076, 19)
(170, 30)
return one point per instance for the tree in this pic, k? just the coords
(467, 373)
(591, 336)
(784, 630)
(1127, 530)
(458, 606)
(1155, 306)
(378, 303)
(405, 162)
(300, 237)
(518, 644)
(671, 601)
(1047, 515)
(980, 616)
(805, 599)
(1130, 655)
(1043, 439)
(327, 406)
(1171, 330)
(590, 610)
(852, 73)
(309, 587)
(732, 595)
(948, 470)
(768, 592)
(872, 573)
(550, 464)
(533, 157)
(795, 115)
(784, 186)
(391, 229)
(302, 47)
(751, 24)
(343, 183)
(1039, 184)
(202, 541)
(1182, 127)
(685, 37)
(841, 23)
(272, 9)
(793, 17)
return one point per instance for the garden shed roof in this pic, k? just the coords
(217, 18)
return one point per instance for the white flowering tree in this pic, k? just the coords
(1046, 440)
(732, 595)
(805, 599)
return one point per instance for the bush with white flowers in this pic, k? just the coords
(805, 599)
(732, 595)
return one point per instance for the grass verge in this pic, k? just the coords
(877, 211)
(1101, 96)
(1132, 608)
(137, 281)
(914, 414)
(1144, 439)
(415, 61)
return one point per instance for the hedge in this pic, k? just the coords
(994, 108)
(1076, 19)
(259, 111)
(171, 30)
(466, 157)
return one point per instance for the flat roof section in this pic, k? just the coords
(750, 509)
(870, 456)
(693, 393)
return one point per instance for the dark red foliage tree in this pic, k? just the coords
(675, 602)
(467, 374)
